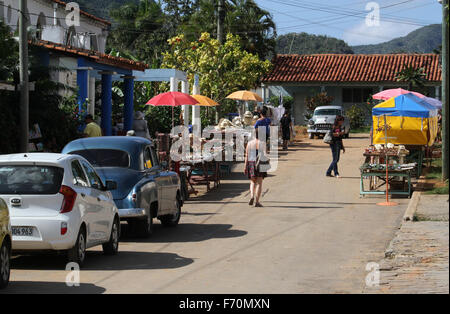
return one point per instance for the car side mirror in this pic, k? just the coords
(111, 185)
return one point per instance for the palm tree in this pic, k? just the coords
(415, 77)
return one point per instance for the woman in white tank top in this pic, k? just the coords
(256, 177)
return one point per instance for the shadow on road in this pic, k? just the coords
(95, 260)
(29, 287)
(185, 233)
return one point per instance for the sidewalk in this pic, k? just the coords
(417, 260)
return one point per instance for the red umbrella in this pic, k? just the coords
(172, 99)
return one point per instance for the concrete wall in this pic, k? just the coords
(42, 11)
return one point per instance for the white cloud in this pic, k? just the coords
(363, 34)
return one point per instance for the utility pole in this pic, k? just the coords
(220, 21)
(24, 88)
(445, 90)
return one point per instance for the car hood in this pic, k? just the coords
(126, 179)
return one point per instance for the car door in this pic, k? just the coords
(86, 204)
(170, 186)
(153, 172)
(101, 202)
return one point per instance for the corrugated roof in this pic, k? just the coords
(94, 55)
(349, 68)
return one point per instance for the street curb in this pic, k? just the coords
(412, 207)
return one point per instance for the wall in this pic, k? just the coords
(42, 11)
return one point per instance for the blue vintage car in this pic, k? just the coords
(144, 189)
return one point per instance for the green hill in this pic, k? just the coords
(100, 8)
(422, 40)
(303, 43)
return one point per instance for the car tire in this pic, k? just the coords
(172, 220)
(112, 246)
(77, 254)
(143, 227)
(311, 136)
(5, 265)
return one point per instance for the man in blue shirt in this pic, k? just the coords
(263, 121)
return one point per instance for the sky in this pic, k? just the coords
(357, 22)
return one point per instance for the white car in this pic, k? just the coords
(58, 203)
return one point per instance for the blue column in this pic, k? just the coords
(128, 108)
(83, 87)
(107, 104)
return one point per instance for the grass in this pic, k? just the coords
(435, 171)
(439, 190)
(364, 129)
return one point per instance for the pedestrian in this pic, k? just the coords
(254, 148)
(92, 129)
(264, 122)
(140, 125)
(336, 145)
(286, 129)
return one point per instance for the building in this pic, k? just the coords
(80, 49)
(349, 79)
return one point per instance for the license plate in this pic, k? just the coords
(22, 231)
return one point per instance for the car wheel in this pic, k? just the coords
(77, 254)
(5, 265)
(143, 227)
(311, 136)
(112, 246)
(172, 220)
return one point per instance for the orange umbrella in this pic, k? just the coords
(245, 95)
(204, 101)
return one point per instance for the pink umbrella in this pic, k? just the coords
(389, 93)
(172, 99)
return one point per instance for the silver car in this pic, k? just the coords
(323, 120)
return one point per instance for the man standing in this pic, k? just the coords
(286, 129)
(92, 129)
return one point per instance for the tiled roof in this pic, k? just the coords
(84, 13)
(349, 68)
(94, 55)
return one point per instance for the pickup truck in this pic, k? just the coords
(145, 189)
(323, 120)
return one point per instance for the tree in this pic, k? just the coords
(222, 69)
(9, 54)
(140, 31)
(245, 18)
(415, 77)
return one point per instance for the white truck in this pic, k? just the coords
(323, 120)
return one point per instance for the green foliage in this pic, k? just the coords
(415, 77)
(288, 101)
(9, 54)
(303, 43)
(356, 116)
(422, 40)
(222, 69)
(317, 100)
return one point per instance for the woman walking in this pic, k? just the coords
(336, 145)
(256, 177)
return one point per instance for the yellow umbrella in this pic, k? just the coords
(204, 101)
(245, 95)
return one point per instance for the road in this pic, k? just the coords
(314, 235)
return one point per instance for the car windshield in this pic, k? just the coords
(327, 112)
(100, 158)
(31, 180)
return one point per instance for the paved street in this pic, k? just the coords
(314, 235)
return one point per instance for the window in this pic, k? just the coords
(79, 177)
(148, 164)
(356, 95)
(105, 157)
(327, 112)
(30, 180)
(93, 178)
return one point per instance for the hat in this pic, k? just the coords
(248, 114)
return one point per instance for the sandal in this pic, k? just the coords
(251, 201)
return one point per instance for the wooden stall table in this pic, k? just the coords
(203, 170)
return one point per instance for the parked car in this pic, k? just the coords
(58, 203)
(5, 244)
(323, 120)
(145, 190)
